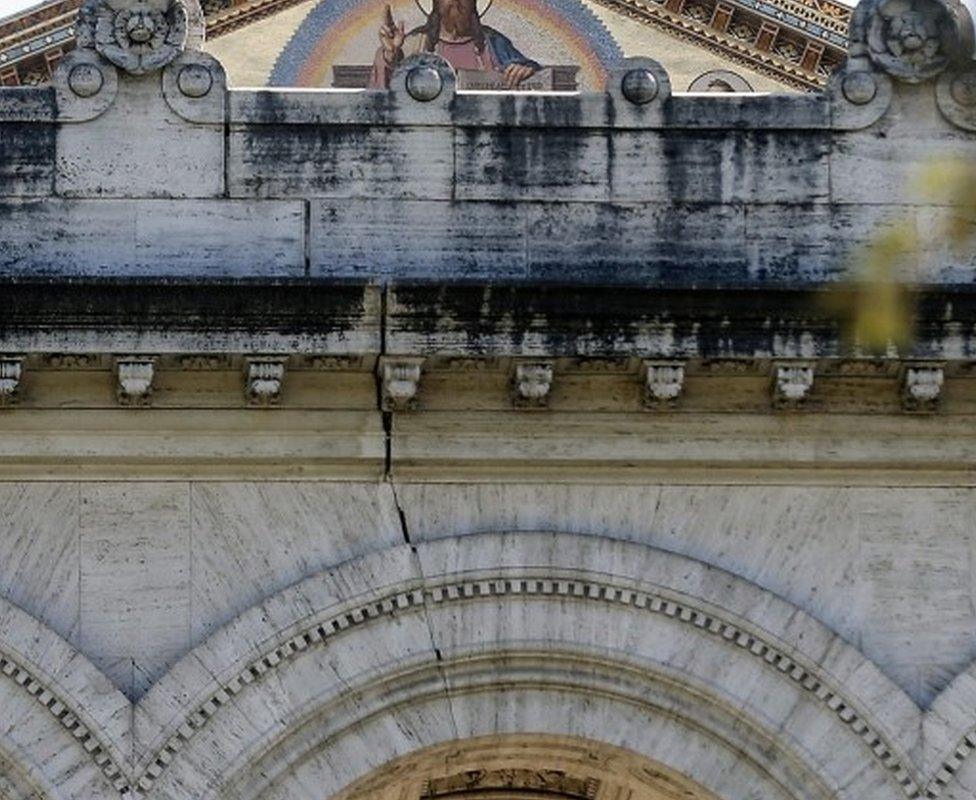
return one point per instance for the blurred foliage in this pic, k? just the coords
(877, 303)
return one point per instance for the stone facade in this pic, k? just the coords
(420, 443)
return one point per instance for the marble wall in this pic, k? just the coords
(136, 574)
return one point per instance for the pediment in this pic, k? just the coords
(706, 45)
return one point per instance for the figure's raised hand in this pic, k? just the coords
(392, 37)
(514, 74)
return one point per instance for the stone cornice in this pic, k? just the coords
(702, 32)
(457, 320)
(425, 382)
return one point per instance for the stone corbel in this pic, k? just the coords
(922, 387)
(264, 376)
(663, 381)
(134, 380)
(792, 383)
(400, 382)
(532, 383)
(11, 372)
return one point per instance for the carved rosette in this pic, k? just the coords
(140, 36)
(911, 40)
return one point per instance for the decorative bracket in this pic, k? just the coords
(922, 389)
(265, 375)
(664, 381)
(792, 383)
(531, 384)
(11, 371)
(400, 379)
(135, 380)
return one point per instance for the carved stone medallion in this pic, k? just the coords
(913, 40)
(139, 36)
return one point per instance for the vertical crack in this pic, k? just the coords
(404, 528)
(388, 479)
(438, 655)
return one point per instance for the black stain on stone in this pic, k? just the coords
(27, 157)
(283, 307)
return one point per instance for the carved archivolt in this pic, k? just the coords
(781, 661)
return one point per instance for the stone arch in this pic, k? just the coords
(64, 728)
(949, 737)
(544, 767)
(492, 634)
(16, 782)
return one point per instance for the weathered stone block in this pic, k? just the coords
(140, 148)
(673, 244)
(889, 161)
(417, 239)
(152, 237)
(340, 161)
(695, 166)
(26, 160)
(734, 167)
(536, 163)
(135, 535)
(816, 242)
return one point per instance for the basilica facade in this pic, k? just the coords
(515, 443)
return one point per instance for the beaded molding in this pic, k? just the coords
(806, 675)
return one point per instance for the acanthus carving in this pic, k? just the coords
(139, 36)
(912, 40)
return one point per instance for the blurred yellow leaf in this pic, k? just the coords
(876, 304)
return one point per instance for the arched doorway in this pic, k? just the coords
(524, 767)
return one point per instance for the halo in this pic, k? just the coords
(427, 6)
